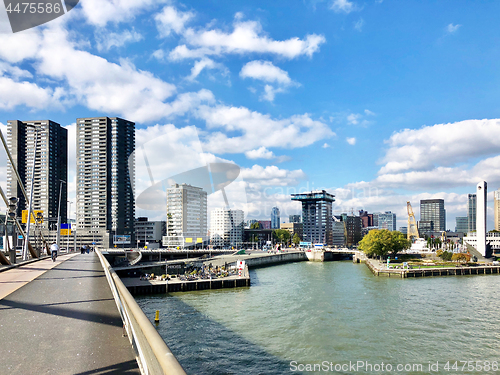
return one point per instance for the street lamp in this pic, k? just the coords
(67, 233)
(58, 234)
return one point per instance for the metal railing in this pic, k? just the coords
(153, 355)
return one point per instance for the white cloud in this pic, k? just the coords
(170, 19)
(451, 28)
(265, 71)
(358, 25)
(247, 37)
(205, 63)
(351, 141)
(326, 145)
(360, 119)
(272, 175)
(258, 130)
(107, 40)
(369, 113)
(99, 13)
(345, 6)
(442, 144)
(260, 153)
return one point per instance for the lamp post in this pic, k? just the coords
(58, 234)
(67, 233)
(30, 205)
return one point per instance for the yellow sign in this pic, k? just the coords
(35, 212)
(199, 240)
(65, 232)
(189, 240)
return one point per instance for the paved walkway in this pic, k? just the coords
(61, 318)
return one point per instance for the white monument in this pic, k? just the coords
(482, 200)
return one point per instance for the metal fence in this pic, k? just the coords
(153, 355)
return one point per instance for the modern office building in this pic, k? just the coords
(186, 216)
(496, 198)
(275, 218)
(294, 219)
(353, 225)
(149, 233)
(403, 230)
(316, 216)
(51, 167)
(265, 224)
(386, 220)
(226, 227)
(471, 212)
(366, 219)
(462, 224)
(105, 180)
(432, 216)
(338, 231)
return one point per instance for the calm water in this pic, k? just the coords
(335, 312)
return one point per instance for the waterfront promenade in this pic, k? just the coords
(61, 318)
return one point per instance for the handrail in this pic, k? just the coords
(153, 355)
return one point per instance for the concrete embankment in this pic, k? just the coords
(378, 269)
(259, 260)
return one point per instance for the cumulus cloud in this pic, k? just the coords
(107, 40)
(246, 37)
(99, 13)
(272, 175)
(358, 25)
(170, 19)
(343, 6)
(260, 153)
(258, 130)
(207, 64)
(351, 141)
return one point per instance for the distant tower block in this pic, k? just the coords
(482, 200)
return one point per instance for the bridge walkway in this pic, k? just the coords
(61, 318)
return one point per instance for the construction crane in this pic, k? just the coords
(412, 223)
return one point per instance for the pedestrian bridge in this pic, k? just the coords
(74, 316)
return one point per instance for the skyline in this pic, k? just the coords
(359, 98)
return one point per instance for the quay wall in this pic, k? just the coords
(275, 259)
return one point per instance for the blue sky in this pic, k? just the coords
(380, 102)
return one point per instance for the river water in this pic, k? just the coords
(337, 316)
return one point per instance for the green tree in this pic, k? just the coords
(255, 225)
(281, 235)
(460, 257)
(383, 242)
(296, 239)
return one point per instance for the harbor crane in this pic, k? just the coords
(412, 233)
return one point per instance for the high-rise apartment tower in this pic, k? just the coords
(105, 178)
(51, 167)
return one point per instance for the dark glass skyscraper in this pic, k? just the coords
(471, 212)
(51, 165)
(275, 218)
(316, 216)
(432, 216)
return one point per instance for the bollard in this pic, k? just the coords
(157, 316)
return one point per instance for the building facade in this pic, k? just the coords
(386, 220)
(294, 219)
(482, 204)
(226, 227)
(432, 216)
(51, 167)
(316, 216)
(105, 179)
(275, 218)
(149, 233)
(462, 224)
(186, 216)
(338, 231)
(471, 212)
(353, 225)
(496, 198)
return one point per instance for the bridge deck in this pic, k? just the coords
(64, 321)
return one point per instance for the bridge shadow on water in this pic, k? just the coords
(205, 347)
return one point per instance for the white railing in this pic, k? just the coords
(153, 355)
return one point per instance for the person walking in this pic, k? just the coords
(53, 251)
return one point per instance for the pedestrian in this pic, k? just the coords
(88, 249)
(53, 251)
(82, 249)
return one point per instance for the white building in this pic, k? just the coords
(482, 201)
(186, 216)
(226, 227)
(497, 209)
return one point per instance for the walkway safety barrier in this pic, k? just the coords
(153, 355)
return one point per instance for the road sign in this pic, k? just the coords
(121, 239)
(65, 232)
(35, 213)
